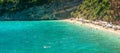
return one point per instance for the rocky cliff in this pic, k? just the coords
(56, 10)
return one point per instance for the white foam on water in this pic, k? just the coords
(45, 46)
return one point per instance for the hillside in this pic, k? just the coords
(53, 10)
(105, 10)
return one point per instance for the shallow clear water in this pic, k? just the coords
(55, 37)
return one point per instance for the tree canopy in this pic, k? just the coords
(96, 10)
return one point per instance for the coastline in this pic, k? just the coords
(94, 26)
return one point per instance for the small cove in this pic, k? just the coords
(55, 37)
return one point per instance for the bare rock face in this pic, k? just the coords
(115, 5)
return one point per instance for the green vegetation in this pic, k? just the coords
(96, 10)
(106, 10)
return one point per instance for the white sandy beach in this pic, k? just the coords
(94, 26)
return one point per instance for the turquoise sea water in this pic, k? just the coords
(55, 37)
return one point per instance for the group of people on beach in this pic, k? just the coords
(100, 23)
